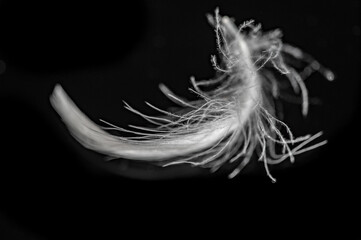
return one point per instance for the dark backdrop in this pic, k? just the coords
(104, 52)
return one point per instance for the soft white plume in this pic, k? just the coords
(234, 118)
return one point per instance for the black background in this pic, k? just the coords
(103, 52)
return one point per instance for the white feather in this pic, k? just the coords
(229, 123)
